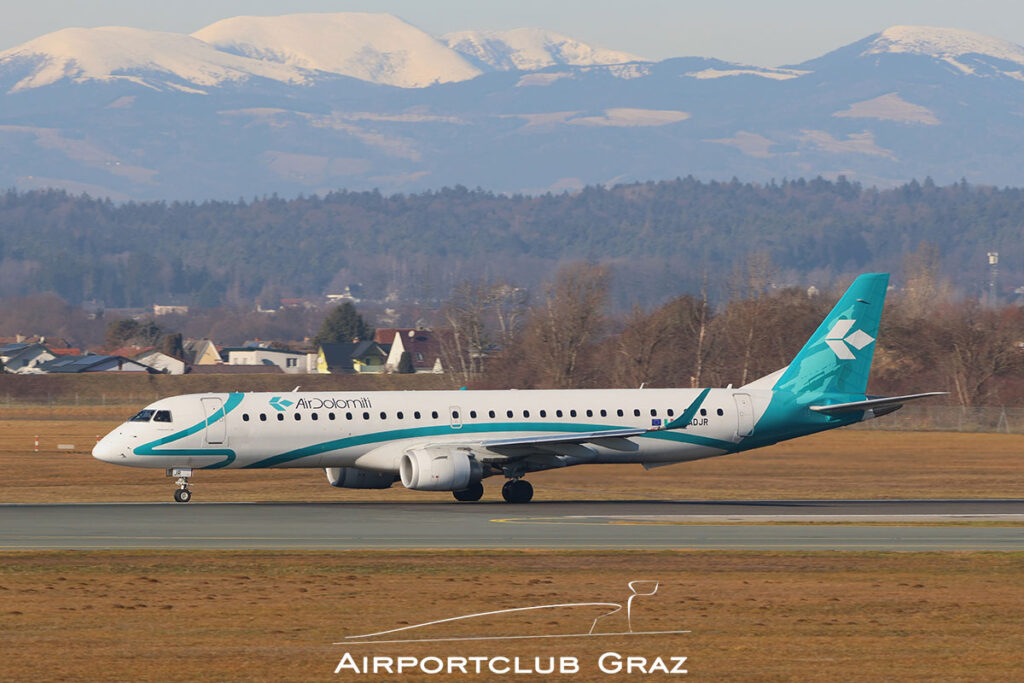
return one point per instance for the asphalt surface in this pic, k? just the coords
(738, 525)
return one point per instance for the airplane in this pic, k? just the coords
(453, 440)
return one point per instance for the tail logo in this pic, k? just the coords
(840, 342)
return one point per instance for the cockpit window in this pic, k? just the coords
(162, 416)
(143, 416)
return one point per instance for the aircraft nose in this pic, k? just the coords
(110, 449)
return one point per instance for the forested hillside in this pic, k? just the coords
(660, 238)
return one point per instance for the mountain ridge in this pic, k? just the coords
(189, 120)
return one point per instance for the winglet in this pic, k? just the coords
(686, 418)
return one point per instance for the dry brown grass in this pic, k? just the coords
(838, 464)
(156, 616)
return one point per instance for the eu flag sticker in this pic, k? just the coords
(656, 422)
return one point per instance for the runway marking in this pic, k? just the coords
(753, 520)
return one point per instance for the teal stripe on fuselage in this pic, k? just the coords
(447, 430)
(234, 400)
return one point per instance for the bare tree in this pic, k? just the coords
(567, 323)
(924, 288)
(983, 345)
(479, 316)
(751, 284)
(638, 346)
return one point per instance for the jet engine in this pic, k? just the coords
(355, 478)
(426, 469)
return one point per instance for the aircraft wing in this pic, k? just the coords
(577, 438)
(872, 403)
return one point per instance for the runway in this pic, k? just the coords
(738, 525)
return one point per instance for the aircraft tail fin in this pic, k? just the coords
(837, 357)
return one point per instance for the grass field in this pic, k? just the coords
(837, 464)
(239, 616)
(273, 616)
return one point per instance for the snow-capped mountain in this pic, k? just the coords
(309, 103)
(154, 59)
(378, 48)
(530, 49)
(963, 52)
(971, 53)
(943, 43)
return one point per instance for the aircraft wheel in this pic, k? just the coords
(474, 493)
(182, 495)
(517, 491)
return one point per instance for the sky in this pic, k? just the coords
(762, 32)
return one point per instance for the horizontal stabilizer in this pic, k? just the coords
(871, 403)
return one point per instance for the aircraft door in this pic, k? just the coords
(215, 432)
(456, 417)
(744, 415)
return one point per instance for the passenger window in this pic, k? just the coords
(280, 417)
(590, 413)
(490, 413)
(433, 414)
(619, 412)
(636, 412)
(298, 416)
(383, 415)
(314, 416)
(526, 413)
(416, 415)
(400, 415)
(508, 413)
(604, 413)
(142, 416)
(572, 413)
(366, 416)
(558, 413)
(543, 413)
(455, 415)
(165, 416)
(703, 412)
(720, 412)
(245, 417)
(654, 412)
(472, 414)
(348, 416)
(330, 416)
(263, 417)
(671, 412)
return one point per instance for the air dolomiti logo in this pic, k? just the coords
(279, 403)
(840, 342)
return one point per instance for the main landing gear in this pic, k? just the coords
(517, 491)
(474, 493)
(182, 494)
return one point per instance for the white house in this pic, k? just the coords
(422, 346)
(24, 356)
(291, 362)
(158, 360)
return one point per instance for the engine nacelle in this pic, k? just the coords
(426, 469)
(355, 478)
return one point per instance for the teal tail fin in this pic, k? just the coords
(837, 357)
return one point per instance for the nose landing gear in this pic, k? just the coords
(182, 494)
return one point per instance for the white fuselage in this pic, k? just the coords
(370, 430)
